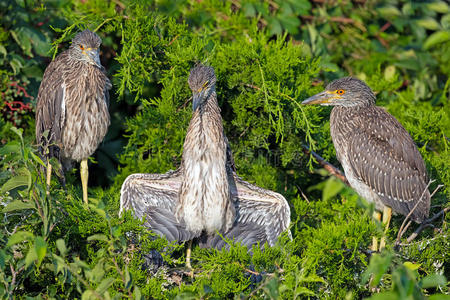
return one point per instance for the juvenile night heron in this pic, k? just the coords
(379, 157)
(205, 196)
(72, 106)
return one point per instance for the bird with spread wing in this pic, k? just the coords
(204, 196)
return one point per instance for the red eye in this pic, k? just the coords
(81, 47)
(340, 92)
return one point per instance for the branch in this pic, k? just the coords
(327, 166)
(402, 229)
(425, 224)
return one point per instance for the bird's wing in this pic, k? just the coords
(155, 196)
(50, 108)
(384, 156)
(261, 215)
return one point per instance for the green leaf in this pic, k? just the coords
(332, 188)
(18, 131)
(41, 249)
(22, 38)
(439, 297)
(438, 6)
(98, 237)
(104, 285)
(378, 266)
(436, 38)
(15, 182)
(61, 245)
(301, 290)
(433, 280)
(88, 295)
(18, 205)
(384, 296)
(389, 11)
(411, 266)
(11, 147)
(137, 293)
(31, 257)
(37, 159)
(3, 51)
(428, 23)
(19, 237)
(128, 278)
(389, 73)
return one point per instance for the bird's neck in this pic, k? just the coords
(205, 130)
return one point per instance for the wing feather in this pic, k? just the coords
(155, 196)
(50, 108)
(389, 162)
(261, 215)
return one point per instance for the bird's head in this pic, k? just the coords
(347, 91)
(85, 47)
(202, 82)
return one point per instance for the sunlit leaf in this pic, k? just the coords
(61, 245)
(104, 285)
(433, 280)
(98, 237)
(19, 236)
(18, 205)
(428, 23)
(41, 249)
(436, 38)
(15, 182)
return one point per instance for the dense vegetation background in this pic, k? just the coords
(268, 57)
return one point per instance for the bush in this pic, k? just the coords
(268, 57)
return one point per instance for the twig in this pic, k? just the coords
(303, 194)
(329, 167)
(402, 229)
(426, 224)
(184, 104)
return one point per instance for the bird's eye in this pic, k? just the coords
(340, 92)
(81, 47)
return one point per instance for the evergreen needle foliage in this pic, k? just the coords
(268, 56)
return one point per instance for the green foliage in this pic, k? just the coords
(268, 56)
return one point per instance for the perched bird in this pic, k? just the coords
(205, 196)
(72, 105)
(379, 157)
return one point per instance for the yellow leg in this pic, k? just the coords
(377, 216)
(188, 255)
(49, 176)
(387, 214)
(84, 173)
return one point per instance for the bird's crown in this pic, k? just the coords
(86, 39)
(201, 78)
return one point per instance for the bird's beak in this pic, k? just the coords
(94, 56)
(323, 98)
(196, 100)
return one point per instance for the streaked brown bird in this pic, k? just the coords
(205, 196)
(379, 157)
(72, 106)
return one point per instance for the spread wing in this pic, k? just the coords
(155, 196)
(261, 215)
(384, 156)
(50, 108)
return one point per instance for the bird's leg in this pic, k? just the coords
(376, 216)
(84, 173)
(387, 214)
(49, 176)
(188, 255)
